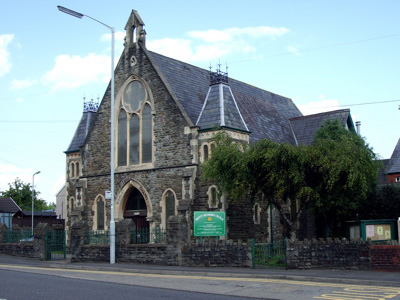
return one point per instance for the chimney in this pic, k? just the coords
(358, 125)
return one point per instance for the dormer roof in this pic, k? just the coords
(220, 109)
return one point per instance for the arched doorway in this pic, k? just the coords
(136, 209)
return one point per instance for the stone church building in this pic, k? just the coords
(166, 114)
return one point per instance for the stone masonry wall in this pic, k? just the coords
(328, 254)
(34, 249)
(213, 253)
(172, 149)
(176, 251)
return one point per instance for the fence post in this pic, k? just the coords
(253, 260)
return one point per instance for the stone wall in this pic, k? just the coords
(35, 249)
(328, 254)
(176, 251)
(213, 253)
(385, 258)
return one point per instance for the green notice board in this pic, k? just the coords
(209, 223)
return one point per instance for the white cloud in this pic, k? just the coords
(22, 84)
(229, 34)
(323, 105)
(5, 64)
(119, 37)
(74, 71)
(176, 48)
(58, 184)
(9, 172)
(209, 45)
(293, 49)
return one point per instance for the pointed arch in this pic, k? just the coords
(99, 217)
(123, 196)
(169, 206)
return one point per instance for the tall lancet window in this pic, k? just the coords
(135, 126)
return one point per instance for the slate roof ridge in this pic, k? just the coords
(230, 78)
(320, 114)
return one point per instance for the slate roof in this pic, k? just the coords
(28, 213)
(8, 205)
(81, 131)
(265, 114)
(220, 110)
(394, 163)
(305, 127)
(382, 173)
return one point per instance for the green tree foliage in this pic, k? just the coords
(347, 170)
(21, 193)
(382, 203)
(333, 176)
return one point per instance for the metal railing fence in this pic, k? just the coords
(147, 235)
(97, 237)
(269, 255)
(18, 236)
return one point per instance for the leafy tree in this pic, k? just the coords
(333, 176)
(382, 203)
(273, 170)
(347, 170)
(21, 193)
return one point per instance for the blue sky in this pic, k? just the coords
(325, 55)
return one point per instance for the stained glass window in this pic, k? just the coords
(122, 138)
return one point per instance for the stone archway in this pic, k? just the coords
(136, 209)
(133, 201)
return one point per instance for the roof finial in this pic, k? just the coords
(218, 76)
(90, 106)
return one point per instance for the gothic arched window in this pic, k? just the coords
(135, 126)
(169, 205)
(213, 200)
(100, 214)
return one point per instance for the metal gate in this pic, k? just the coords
(269, 255)
(55, 245)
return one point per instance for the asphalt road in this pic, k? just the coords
(35, 282)
(19, 285)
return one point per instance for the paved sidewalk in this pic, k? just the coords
(332, 276)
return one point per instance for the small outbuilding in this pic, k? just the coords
(8, 208)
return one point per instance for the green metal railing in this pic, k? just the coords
(97, 237)
(18, 236)
(269, 255)
(147, 235)
(55, 245)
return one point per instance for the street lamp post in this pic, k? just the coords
(112, 221)
(33, 194)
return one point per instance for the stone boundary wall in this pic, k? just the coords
(385, 258)
(212, 253)
(328, 254)
(176, 251)
(35, 249)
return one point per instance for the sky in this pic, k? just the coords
(324, 55)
